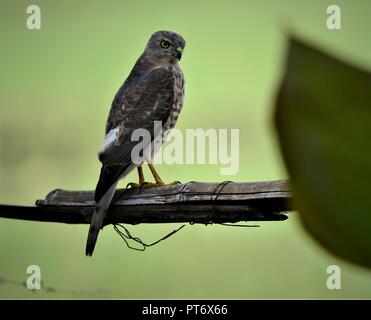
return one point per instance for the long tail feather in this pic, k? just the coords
(99, 214)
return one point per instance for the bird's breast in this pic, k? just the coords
(177, 105)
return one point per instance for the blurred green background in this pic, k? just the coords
(56, 86)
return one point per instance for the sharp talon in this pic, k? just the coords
(146, 184)
(142, 185)
(132, 185)
(169, 184)
(176, 182)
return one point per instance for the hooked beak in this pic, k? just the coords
(179, 52)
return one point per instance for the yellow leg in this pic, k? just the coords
(141, 182)
(158, 180)
(155, 174)
(141, 175)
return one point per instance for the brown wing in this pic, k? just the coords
(151, 100)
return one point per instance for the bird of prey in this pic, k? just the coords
(153, 92)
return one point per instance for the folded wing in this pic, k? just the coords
(149, 101)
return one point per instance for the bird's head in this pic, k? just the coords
(165, 47)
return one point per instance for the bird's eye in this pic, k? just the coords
(165, 44)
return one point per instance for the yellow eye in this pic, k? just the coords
(165, 44)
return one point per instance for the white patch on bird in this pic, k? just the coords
(109, 139)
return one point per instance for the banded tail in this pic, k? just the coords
(104, 192)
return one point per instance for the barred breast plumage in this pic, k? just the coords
(177, 105)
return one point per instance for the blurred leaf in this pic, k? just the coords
(323, 118)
